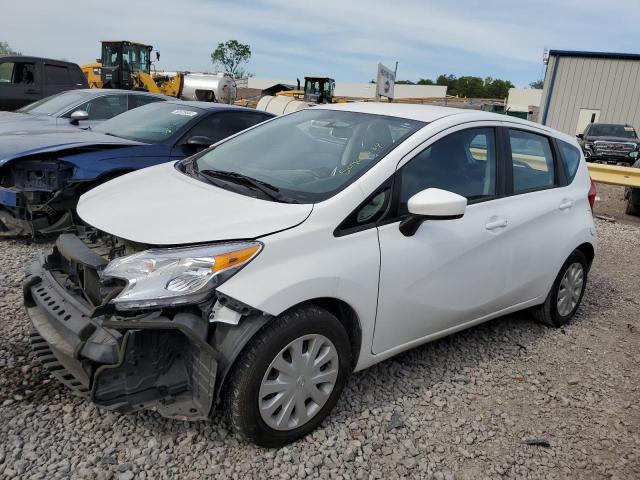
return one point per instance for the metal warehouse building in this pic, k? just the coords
(585, 87)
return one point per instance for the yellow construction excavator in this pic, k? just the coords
(127, 65)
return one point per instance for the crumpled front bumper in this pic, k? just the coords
(124, 364)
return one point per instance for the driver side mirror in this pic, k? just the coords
(199, 141)
(432, 204)
(77, 116)
(580, 136)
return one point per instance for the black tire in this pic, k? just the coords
(242, 390)
(633, 202)
(547, 313)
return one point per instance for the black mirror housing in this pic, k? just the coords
(199, 141)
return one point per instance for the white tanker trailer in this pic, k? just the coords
(205, 87)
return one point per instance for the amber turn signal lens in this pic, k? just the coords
(233, 259)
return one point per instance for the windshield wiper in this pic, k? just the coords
(269, 190)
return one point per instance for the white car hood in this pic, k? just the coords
(162, 206)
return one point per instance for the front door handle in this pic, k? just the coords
(565, 204)
(495, 223)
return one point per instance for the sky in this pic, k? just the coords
(343, 39)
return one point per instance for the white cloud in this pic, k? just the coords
(342, 38)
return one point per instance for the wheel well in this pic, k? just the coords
(588, 251)
(349, 319)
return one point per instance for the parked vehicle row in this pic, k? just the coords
(261, 272)
(44, 172)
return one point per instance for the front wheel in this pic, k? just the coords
(566, 293)
(289, 377)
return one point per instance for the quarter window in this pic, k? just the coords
(532, 161)
(570, 159)
(463, 162)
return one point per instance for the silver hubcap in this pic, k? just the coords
(570, 289)
(298, 382)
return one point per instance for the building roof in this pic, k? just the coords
(585, 54)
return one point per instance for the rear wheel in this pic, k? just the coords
(566, 293)
(633, 202)
(289, 377)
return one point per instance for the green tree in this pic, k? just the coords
(537, 84)
(425, 81)
(231, 55)
(5, 49)
(404, 82)
(496, 88)
(470, 87)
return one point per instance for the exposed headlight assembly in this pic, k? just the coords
(175, 276)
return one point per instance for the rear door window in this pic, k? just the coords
(56, 75)
(532, 161)
(136, 101)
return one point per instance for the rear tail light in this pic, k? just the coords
(592, 193)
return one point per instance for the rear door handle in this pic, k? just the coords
(565, 204)
(495, 223)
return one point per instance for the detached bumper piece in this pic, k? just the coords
(123, 364)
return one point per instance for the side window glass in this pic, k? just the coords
(104, 108)
(463, 162)
(56, 75)
(136, 101)
(532, 161)
(570, 159)
(222, 125)
(18, 72)
(6, 72)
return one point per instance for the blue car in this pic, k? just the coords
(44, 172)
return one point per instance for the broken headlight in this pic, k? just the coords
(175, 276)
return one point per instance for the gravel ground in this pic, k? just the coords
(611, 204)
(508, 399)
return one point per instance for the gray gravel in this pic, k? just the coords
(508, 399)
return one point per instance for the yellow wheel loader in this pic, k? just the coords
(127, 65)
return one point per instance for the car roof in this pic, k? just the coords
(108, 91)
(432, 113)
(25, 58)
(212, 106)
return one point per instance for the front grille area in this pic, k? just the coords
(48, 360)
(617, 149)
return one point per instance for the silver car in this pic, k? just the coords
(75, 108)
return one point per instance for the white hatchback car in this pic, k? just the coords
(266, 269)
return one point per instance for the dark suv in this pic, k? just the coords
(610, 143)
(24, 80)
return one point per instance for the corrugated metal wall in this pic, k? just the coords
(609, 85)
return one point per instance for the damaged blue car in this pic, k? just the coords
(44, 172)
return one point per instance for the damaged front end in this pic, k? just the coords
(171, 358)
(36, 197)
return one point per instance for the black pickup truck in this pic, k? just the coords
(610, 143)
(24, 80)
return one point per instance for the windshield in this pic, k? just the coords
(622, 131)
(55, 103)
(310, 155)
(152, 123)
